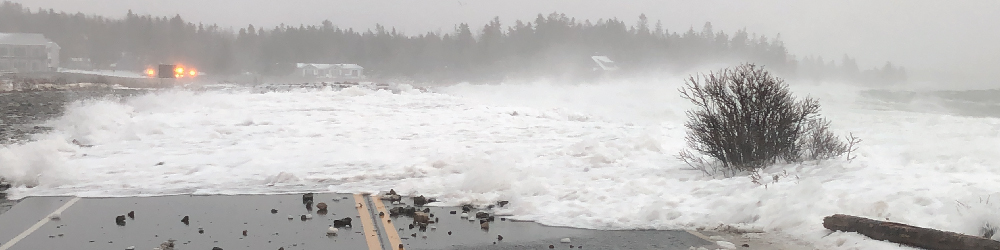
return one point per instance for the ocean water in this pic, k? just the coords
(976, 103)
(596, 155)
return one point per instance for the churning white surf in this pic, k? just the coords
(584, 155)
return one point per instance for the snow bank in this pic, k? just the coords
(593, 156)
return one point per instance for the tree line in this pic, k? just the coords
(552, 45)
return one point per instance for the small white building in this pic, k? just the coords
(319, 70)
(604, 63)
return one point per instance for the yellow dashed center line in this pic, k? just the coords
(368, 229)
(390, 230)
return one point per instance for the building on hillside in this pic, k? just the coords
(333, 71)
(604, 63)
(24, 52)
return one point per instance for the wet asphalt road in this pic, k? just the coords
(247, 222)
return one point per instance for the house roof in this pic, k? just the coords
(350, 66)
(328, 66)
(313, 65)
(24, 39)
(604, 62)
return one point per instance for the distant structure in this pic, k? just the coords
(79, 63)
(25, 52)
(604, 63)
(333, 71)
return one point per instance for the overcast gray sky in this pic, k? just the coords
(929, 37)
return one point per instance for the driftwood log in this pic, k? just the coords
(908, 235)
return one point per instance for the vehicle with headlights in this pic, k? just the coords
(172, 71)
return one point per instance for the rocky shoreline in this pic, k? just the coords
(23, 111)
(4, 203)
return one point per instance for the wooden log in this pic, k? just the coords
(908, 235)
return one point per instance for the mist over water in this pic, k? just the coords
(638, 102)
(976, 103)
(244, 122)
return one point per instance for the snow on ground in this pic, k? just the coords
(593, 156)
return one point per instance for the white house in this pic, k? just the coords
(605, 63)
(25, 52)
(319, 70)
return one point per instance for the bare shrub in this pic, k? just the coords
(819, 143)
(697, 162)
(852, 145)
(746, 119)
